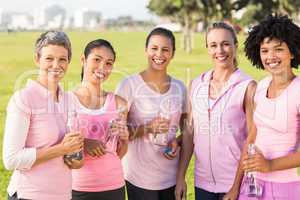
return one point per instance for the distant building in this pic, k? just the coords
(55, 16)
(69, 22)
(39, 16)
(20, 21)
(87, 19)
(1, 13)
(49, 17)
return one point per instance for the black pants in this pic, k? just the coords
(14, 197)
(201, 194)
(136, 193)
(118, 194)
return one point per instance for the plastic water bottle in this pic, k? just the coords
(113, 137)
(253, 189)
(162, 138)
(73, 126)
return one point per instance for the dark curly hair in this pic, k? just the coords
(277, 27)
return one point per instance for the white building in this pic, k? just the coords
(86, 18)
(21, 21)
(1, 13)
(56, 22)
(39, 16)
(49, 17)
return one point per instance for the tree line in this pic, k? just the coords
(190, 12)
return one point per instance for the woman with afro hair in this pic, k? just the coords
(274, 45)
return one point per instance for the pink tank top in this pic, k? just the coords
(277, 121)
(102, 173)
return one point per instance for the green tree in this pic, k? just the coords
(259, 9)
(189, 12)
(186, 12)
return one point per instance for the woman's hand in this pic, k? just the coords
(72, 143)
(172, 149)
(94, 148)
(181, 189)
(119, 128)
(158, 125)
(119, 131)
(256, 162)
(232, 194)
(73, 163)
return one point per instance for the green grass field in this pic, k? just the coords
(16, 52)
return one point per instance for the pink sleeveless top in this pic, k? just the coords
(98, 173)
(277, 121)
(219, 131)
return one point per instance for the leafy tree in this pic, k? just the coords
(186, 12)
(263, 8)
(189, 12)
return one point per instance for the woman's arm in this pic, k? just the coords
(15, 154)
(174, 144)
(183, 119)
(122, 127)
(72, 143)
(259, 163)
(157, 125)
(187, 149)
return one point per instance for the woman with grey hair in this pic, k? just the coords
(35, 138)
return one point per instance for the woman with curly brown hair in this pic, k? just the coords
(274, 45)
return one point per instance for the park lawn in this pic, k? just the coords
(16, 65)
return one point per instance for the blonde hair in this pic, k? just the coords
(223, 25)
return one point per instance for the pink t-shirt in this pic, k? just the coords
(35, 121)
(278, 121)
(144, 164)
(98, 173)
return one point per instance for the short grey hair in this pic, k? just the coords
(53, 38)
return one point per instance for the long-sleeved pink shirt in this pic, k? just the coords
(34, 121)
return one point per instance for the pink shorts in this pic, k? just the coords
(274, 191)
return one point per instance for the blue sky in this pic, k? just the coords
(109, 8)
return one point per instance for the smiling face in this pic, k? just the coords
(159, 52)
(221, 47)
(275, 56)
(53, 63)
(98, 65)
